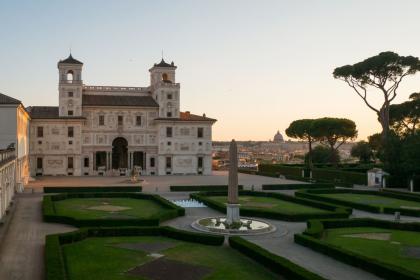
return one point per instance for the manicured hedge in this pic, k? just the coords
(91, 189)
(339, 176)
(280, 169)
(201, 188)
(50, 215)
(297, 186)
(54, 261)
(310, 238)
(277, 264)
(314, 195)
(336, 211)
(309, 194)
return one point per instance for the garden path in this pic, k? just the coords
(22, 248)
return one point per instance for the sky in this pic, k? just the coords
(255, 66)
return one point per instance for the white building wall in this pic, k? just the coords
(8, 121)
(184, 147)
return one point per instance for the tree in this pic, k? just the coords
(302, 129)
(363, 151)
(383, 72)
(375, 144)
(333, 132)
(322, 155)
(404, 118)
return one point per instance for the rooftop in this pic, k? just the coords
(4, 99)
(46, 112)
(162, 63)
(187, 116)
(70, 60)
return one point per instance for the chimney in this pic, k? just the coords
(204, 115)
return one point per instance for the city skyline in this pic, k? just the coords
(275, 64)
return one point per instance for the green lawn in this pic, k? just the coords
(392, 251)
(374, 200)
(272, 204)
(136, 208)
(97, 258)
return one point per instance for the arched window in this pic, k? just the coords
(70, 75)
(164, 77)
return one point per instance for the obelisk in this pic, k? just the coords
(232, 205)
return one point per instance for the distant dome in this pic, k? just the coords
(278, 137)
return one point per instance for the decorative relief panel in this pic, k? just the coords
(55, 163)
(181, 162)
(185, 147)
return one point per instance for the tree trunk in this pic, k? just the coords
(310, 154)
(383, 117)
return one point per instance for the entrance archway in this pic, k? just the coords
(119, 153)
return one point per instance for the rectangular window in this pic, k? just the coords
(70, 132)
(138, 120)
(168, 131)
(86, 162)
(40, 131)
(120, 120)
(152, 162)
(70, 94)
(101, 120)
(200, 132)
(200, 162)
(169, 96)
(168, 162)
(70, 113)
(70, 162)
(39, 163)
(169, 114)
(169, 143)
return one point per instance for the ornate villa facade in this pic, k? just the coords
(109, 130)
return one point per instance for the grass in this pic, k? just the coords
(79, 208)
(387, 251)
(272, 204)
(374, 200)
(111, 262)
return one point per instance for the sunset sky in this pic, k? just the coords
(253, 65)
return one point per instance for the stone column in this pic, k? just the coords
(110, 160)
(94, 160)
(233, 201)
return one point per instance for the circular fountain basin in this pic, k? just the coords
(248, 226)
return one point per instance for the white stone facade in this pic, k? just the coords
(108, 130)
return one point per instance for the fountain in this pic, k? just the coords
(233, 224)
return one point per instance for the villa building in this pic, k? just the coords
(109, 130)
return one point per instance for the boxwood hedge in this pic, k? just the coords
(55, 263)
(91, 189)
(51, 216)
(201, 188)
(277, 264)
(315, 229)
(297, 186)
(336, 211)
(314, 195)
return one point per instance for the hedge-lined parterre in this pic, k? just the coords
(66, 254)
(274, 206)
(385, 248)
(109, 209)
(371, 201)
